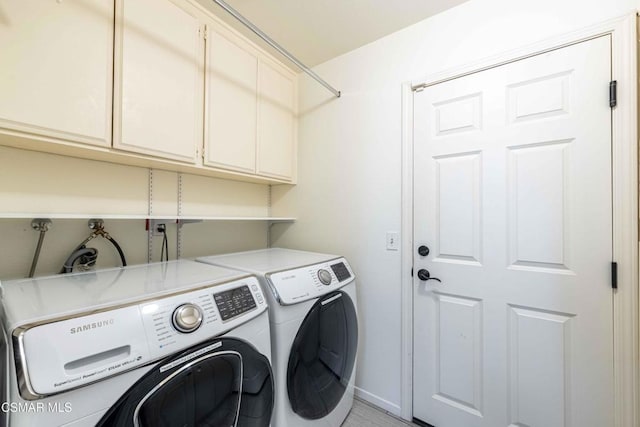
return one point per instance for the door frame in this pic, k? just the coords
(624, 198)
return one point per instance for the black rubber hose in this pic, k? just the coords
(119, 249)
(164, 255)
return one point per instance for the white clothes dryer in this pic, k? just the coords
(166, 344)
(314, 329)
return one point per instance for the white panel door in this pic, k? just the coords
(56, 68)
(159, 85)
(232, 73)
(513, 199)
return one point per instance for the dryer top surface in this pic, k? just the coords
(268, 260)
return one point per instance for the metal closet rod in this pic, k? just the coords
(276, 46)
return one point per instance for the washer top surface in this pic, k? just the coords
(266, 261)
(44, 297)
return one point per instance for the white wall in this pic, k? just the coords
(348, 192)
(43, 184)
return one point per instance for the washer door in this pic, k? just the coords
(322, 356)
(221, 382)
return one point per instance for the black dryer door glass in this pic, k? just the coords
(322, 356)
(229, 384)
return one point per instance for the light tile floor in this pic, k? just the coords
(365, 415)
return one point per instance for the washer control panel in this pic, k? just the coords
(183, 320)
(234, 302)
(64, 354)
(305, 283)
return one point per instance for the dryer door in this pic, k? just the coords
(221, 382)
(322, 356)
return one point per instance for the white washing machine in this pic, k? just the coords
(174, 343)
(314, 330)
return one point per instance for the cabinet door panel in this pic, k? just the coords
(160, 108)
(56, 68)
(231, 103)
(276, 122)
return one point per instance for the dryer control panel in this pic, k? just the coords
(305, 283)
(63, 354)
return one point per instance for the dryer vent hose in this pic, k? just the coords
(86, 257)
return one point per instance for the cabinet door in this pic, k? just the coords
(159, 100)
(56, 68)
(276, 121)
(230, 133)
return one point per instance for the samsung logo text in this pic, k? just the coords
(90, 326)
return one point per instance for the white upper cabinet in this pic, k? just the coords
(148, 83)
(158, 80)
(251, 110)
(231, 101)
(276, 121)
(56, 69)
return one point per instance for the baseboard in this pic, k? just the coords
(381, 403)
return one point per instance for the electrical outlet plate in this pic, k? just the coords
(153, 225)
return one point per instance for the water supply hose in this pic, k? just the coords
(41, 225)
(118, 248)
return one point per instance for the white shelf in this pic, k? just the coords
(174, 218)
(235, 218)
(77, 216)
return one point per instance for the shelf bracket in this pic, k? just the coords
(188, 221)
(180, 223)
(270, 224)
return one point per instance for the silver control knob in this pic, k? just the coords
(324, 276)
(187, 318)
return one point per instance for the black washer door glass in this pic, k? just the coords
(205, 394)
(322, 356)
(202, 392)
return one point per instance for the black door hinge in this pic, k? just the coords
(614, 275)
(613, 93)
(412, 272)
